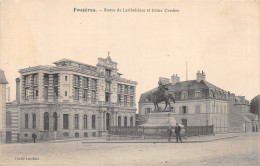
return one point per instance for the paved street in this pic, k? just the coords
(239, 151)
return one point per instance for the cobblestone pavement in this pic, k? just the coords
(238, 151)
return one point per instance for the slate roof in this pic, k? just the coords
(182, 86)
(2, 77)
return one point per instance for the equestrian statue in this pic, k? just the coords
(160, 95)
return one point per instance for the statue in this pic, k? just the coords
(160, 95)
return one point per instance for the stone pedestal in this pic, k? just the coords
(160, 119)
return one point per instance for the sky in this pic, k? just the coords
(220, 38)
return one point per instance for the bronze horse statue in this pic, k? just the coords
(160, 96)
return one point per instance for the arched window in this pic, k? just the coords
(46, 121)
(85, 121)
(76, 121)
(33, 120)
(55, 121)
(76, 135)
(119, 121)
(85, 134)
(93, 121)
(94, 134)
(131, 121)
(125, 121)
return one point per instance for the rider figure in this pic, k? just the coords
(161, 89)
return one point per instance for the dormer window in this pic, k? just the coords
(184, 95)
(197, 94)
(108, 73)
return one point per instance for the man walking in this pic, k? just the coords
(34, 136)
(169, 132)
(178, 132)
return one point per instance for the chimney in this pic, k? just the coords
(201, 76)
(164, 80)
(174, 79)
(17, 89)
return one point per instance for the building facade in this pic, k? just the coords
(198, 102)
(74, 100)
(240, 117)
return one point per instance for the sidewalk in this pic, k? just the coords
(195, 139)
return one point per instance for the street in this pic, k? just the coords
(239, 151)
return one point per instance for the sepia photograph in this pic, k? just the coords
(129, 83)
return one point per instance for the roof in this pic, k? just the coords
(68, 60)
(2, 77)
(182, 86)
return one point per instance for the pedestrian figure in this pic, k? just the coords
(169, 132)
(178, 132)
(34, 136)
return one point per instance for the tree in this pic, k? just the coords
(255, 105)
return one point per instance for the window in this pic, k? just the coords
(225, 109)
(56, 93)
(76, 93)
(66, 78)
(85, 121)
(85, 134)
(217, 108)
(108, 84)
(147, 110)
(46, 121)
(93, 84)
(26, 121)
(93, 121)
(131, 121)
(184, 110)
(33, 120)
(125, 100)
(35, 92)
(75, 80)
(55, 79)
(108, 73)
(66, 93)
(184, 122)
(197, 108)
(93, 95)
(55, 121)
(126, 89)
(76, 121)
(119, 99)
(26, 93)
(197, 94)
(221, 108)
(131, 101)
(107, 96)
(85, 94)
(184, 95)
(132, 90)
(94, 134)
(172, 109)
(213, 108)
(46, 79)
(119, 88)
(35, 79)
(65, 121)
(119, 121)
(8, 119)
(45, 92)
(76, 135)
(27, 80)
(85, 82)
(125, 121)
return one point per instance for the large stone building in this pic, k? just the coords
(240, 117)
(198, 102)
(73, 99)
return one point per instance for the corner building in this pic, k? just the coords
(74, 100)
